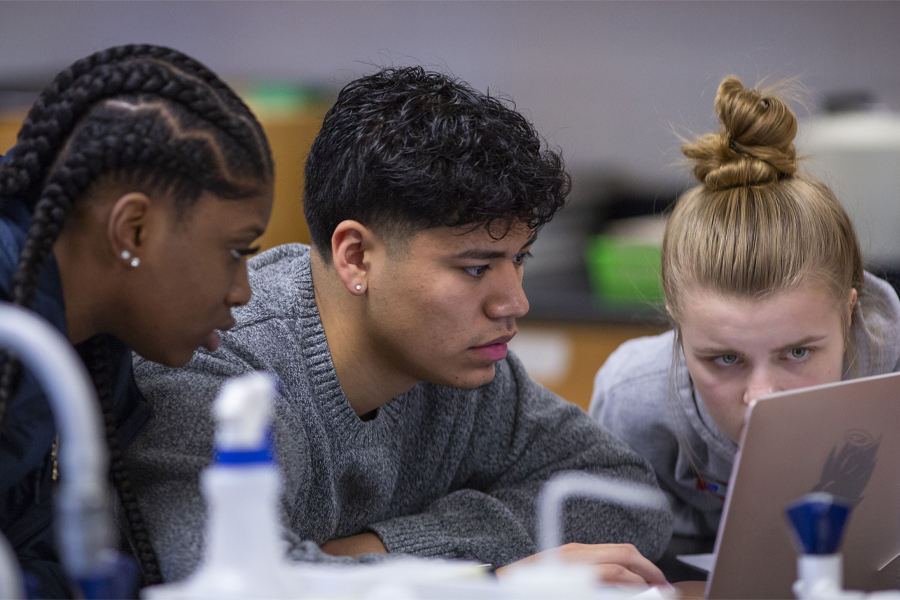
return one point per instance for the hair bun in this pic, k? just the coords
(755, 145)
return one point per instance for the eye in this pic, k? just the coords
(798, 353)
(520, 258)
(239, 253)
(726, 360)
(476, 271)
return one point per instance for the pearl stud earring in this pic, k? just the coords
(358, 287)
(132, 260)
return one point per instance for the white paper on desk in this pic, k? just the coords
(653, 593)
(704, 562)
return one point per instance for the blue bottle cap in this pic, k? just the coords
(818, 520)
(247, 456)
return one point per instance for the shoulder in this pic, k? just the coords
(513, 385)
(632, 390)
(277, 261)
(276, 277)
(510, 373)
(875, 288)
(525, 417)
(202, 376)
(267, 325)
(878, 327)
(180, 400)
(261, 337)
(12, 237)
(515, 399)
(637, 364)
(512, 399)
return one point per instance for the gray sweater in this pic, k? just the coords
(439, 471)
(657, 411)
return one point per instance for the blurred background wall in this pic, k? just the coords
(603, 80)
(607, 82)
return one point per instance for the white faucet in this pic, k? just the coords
(84, 520)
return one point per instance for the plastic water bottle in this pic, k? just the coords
(245, 556)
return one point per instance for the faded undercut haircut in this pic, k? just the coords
(405, 149)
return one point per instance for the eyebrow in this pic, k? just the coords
(714, 351)
(810, 339)
(485, 254)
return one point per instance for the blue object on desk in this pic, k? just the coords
(119, 580)
(818, 520)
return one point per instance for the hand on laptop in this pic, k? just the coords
(619, 564)
(615, 563)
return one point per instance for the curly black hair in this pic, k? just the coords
(406, 149)
(150, 116)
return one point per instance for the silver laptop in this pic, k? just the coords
(842, 438)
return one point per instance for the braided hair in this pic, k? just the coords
(146, 115)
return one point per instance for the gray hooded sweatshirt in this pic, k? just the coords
(644, 394)
(439, 471)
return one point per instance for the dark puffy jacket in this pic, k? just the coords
(26, 481)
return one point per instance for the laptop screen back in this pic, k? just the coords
(841, 438)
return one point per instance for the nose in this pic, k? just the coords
(761, 383)
(507, 298)
(240, 291)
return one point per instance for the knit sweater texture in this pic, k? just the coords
(439, 471)
(644, 394)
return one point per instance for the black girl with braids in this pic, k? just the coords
(128, 206)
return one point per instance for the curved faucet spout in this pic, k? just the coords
(84, 520)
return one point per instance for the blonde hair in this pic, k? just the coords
(755, 224)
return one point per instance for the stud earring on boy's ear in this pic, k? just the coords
(358, 287)
(126, 255)
(135, 261)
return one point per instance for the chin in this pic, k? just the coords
(178, 362)
(474, 378)
(174, 360)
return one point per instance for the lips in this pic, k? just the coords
(500, 340)
(495, 349)
(212, 339)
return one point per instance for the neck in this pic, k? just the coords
(83, 285)
(367, 379)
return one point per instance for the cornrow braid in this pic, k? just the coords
(47, 217)
(39, 137)
(48, 124)
(147, 113)
(98, 367)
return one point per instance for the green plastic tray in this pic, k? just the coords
(624, 271)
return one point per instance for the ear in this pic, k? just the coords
(127, 225)
(676, 326)
(851, 304)
(353, 249)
